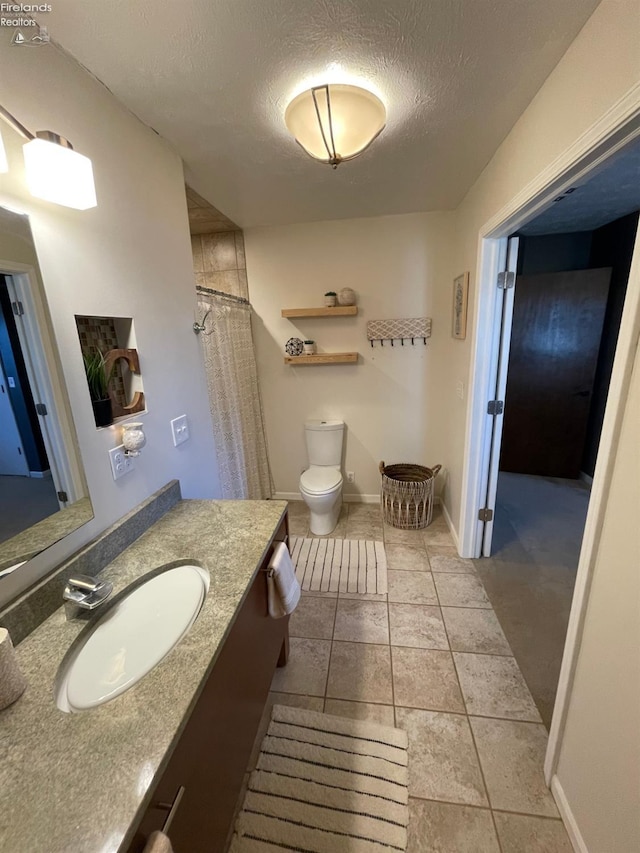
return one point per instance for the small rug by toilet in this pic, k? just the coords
(340, 565)
(324, 784)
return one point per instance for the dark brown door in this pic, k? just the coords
(555, 338)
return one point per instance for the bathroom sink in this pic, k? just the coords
(132, 637)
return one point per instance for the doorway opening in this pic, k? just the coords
(593, 181)
(569, 292)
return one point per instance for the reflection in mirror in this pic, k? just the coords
(43, 492)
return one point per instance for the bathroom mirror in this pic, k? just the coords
(43, 491)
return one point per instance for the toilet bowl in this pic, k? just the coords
(321, 484)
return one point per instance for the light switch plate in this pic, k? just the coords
(120, 464)
(180, 430)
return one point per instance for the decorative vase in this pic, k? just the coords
(330, 301)
(133, 438)
(347, 296)
(294, 346)
(309, 347)
(102, 412)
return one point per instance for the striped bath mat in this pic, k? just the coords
(340, 565)
(325, 784)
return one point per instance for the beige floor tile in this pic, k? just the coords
(309, 593)
(494, 687)
(445, 550)
(512, 756)
(361, 711)
(298, 526)
(520, 833)
(306, 670)
(445, 828)
(365, 512)
(471, 629)
(443, 764)
(461, 591)
(361, 672)
(397, 536)
(313, 618)
(418, 626)
(412, 588)
(298, 509)
(362, 621)
(405, 558)
(450, 563)
(363, 529)
(437, 536)
(424, 678)
(311, 703)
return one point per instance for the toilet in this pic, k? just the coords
(321, 483)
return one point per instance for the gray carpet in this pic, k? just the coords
(23, 502)
(530, 575)
(324, 783)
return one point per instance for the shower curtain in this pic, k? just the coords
(234, 397)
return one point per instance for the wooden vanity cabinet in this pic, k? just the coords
(211, 757)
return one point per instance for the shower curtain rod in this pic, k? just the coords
(240, 299)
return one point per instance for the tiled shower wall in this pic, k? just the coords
(219, 262)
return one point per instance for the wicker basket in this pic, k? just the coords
(407, 495)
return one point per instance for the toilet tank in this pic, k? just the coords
(324, 442)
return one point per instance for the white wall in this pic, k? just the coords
(131, 257)
(599, 766)
(602, 64)
(399, 266)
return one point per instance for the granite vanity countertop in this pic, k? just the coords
(76, 782)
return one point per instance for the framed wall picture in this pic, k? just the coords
(460, 296)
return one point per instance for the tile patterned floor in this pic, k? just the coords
(432, 658)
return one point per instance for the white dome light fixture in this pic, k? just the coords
(335, 122)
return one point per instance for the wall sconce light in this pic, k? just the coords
(335, 122)
(133, 438)
(54, 171)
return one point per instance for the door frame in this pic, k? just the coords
(44, 372)
(619, 126)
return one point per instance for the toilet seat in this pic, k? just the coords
(318, 480)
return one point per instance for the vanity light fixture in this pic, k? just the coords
(133, 438)
(54, 171)
(335, 122)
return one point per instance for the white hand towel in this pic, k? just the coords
(158, 843)
(282, 584)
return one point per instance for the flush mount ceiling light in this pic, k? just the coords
(54, 171)
(335, 122)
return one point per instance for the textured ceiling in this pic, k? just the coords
(214, 77)
(612, 192)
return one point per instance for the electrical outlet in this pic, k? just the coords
(120, 463)
(351, 477)
(180, 430)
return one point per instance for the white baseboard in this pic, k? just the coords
(452, 530)
(569, 821)
(41, 475)
(351, 499)
(586, 478)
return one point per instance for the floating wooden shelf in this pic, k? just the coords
(338, 311)
(323, 358)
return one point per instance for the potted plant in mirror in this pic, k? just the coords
(98, 379)
(330, 298)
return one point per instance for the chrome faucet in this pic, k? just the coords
(85, 593)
